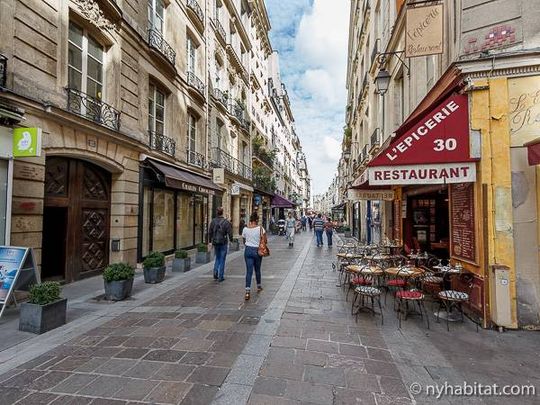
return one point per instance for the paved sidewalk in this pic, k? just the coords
(191, 340)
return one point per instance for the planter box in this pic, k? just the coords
(348, 234)
(118, 290)
(181, 265)
(203, 257)
(154, 275)
(234, 246)
(42, 318)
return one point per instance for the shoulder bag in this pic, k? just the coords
(263, 250)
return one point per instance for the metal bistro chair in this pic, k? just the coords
(404, 298)
(355, 278)
(367, 292)
(454, 299)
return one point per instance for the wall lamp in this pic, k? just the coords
(382, 80)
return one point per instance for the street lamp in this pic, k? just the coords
(382, 81)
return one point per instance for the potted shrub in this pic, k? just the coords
(235, 245)
(154, 268)
(45, 310)
(203, 255)
(347, 231)
(118, 280)
(181, 262)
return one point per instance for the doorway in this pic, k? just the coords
(76, 219)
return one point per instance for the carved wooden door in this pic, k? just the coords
(83, 190)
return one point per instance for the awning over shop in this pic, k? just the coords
(176, 177)
(435, 150)
(533, 152)
(281, 202)
(339, 207)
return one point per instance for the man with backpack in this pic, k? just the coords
(219, 236)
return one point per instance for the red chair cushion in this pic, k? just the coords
(361, 281)
(396, 282)
(409, 295)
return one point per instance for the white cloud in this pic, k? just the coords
(313, 44)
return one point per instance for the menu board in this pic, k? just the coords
(463, 238)
(397, 219)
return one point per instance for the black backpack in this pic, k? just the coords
(219, 237)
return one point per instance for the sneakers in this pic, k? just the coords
(247, 296)
(259, 289)
(215, 276)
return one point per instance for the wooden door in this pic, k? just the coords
(82, 189)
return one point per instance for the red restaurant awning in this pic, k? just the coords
(435, 150)
(533, 152)
(281, 202)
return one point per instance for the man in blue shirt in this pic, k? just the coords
(318, 227)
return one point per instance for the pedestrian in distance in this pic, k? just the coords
(252, 236)
(318, 227)
(329, 230)
(310, 221)
(290, 225)
(303, 219)
(219, 236)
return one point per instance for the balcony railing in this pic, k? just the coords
(365, 154)
(162, 143)
(236, 110)
(3, 70)
(156, 41)
(195, 82)
(220, 30)
(194, 6)
(195, 158)
(221, 159)
(93, 109)
(221, 96)
(375, 139)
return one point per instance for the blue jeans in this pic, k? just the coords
(318, 234)
(219, 264)
(329, 237)
(253, 261)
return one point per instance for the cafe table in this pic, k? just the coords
(447, 272)
(404, 272)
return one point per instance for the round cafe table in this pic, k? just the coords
(349, 256)
(404, 272)
(447, 272)
(367, 270)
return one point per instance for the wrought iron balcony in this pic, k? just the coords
(162, 143)
(93, 109)
(221, 159)
(365, 154)
(195, 158)
(195, 83)
(195, 8)
(375, 139)
(221, 96)
(220, 31)
(3, 70)
(237, 111)
(156, 41)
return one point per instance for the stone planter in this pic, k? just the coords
(42, 318)
(348, 234)
(118, 290)
(203, 257)
(234, 246)
(181, 265)
(154, 275)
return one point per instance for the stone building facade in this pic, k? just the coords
(129, 96)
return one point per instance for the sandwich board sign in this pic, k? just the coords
(18, 272)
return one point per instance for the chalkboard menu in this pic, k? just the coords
(463, 238)
(397, 219)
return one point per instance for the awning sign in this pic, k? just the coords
(354, 195)
(26, 142)
(423, 174)
(441, 136)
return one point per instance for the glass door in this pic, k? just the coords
(3, 199)
(198, 219)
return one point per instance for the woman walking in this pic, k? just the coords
(252, 236)
(290, 225)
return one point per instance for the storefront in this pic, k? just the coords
(176, 208)
(262, 202)
(6, 174)
(279, 206)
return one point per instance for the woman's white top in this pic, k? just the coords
(252, 236)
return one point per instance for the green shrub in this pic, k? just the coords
(45, 293)
(181, 254)
(154, 259)
(202, 247)
(118, 272)
(346, 229)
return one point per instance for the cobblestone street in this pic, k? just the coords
(293, 343)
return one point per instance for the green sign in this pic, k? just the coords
(26, 142)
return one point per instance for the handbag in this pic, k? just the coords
(263, 250)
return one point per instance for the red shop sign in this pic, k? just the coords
(441, 136)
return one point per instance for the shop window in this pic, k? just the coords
(163, 220)
(156, 110)
(3, 199)
(156, 15)
(85, 62)
(147, 213)
(184, 221)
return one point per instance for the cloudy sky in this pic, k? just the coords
(311, 38)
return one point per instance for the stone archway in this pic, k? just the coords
(76, 219)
